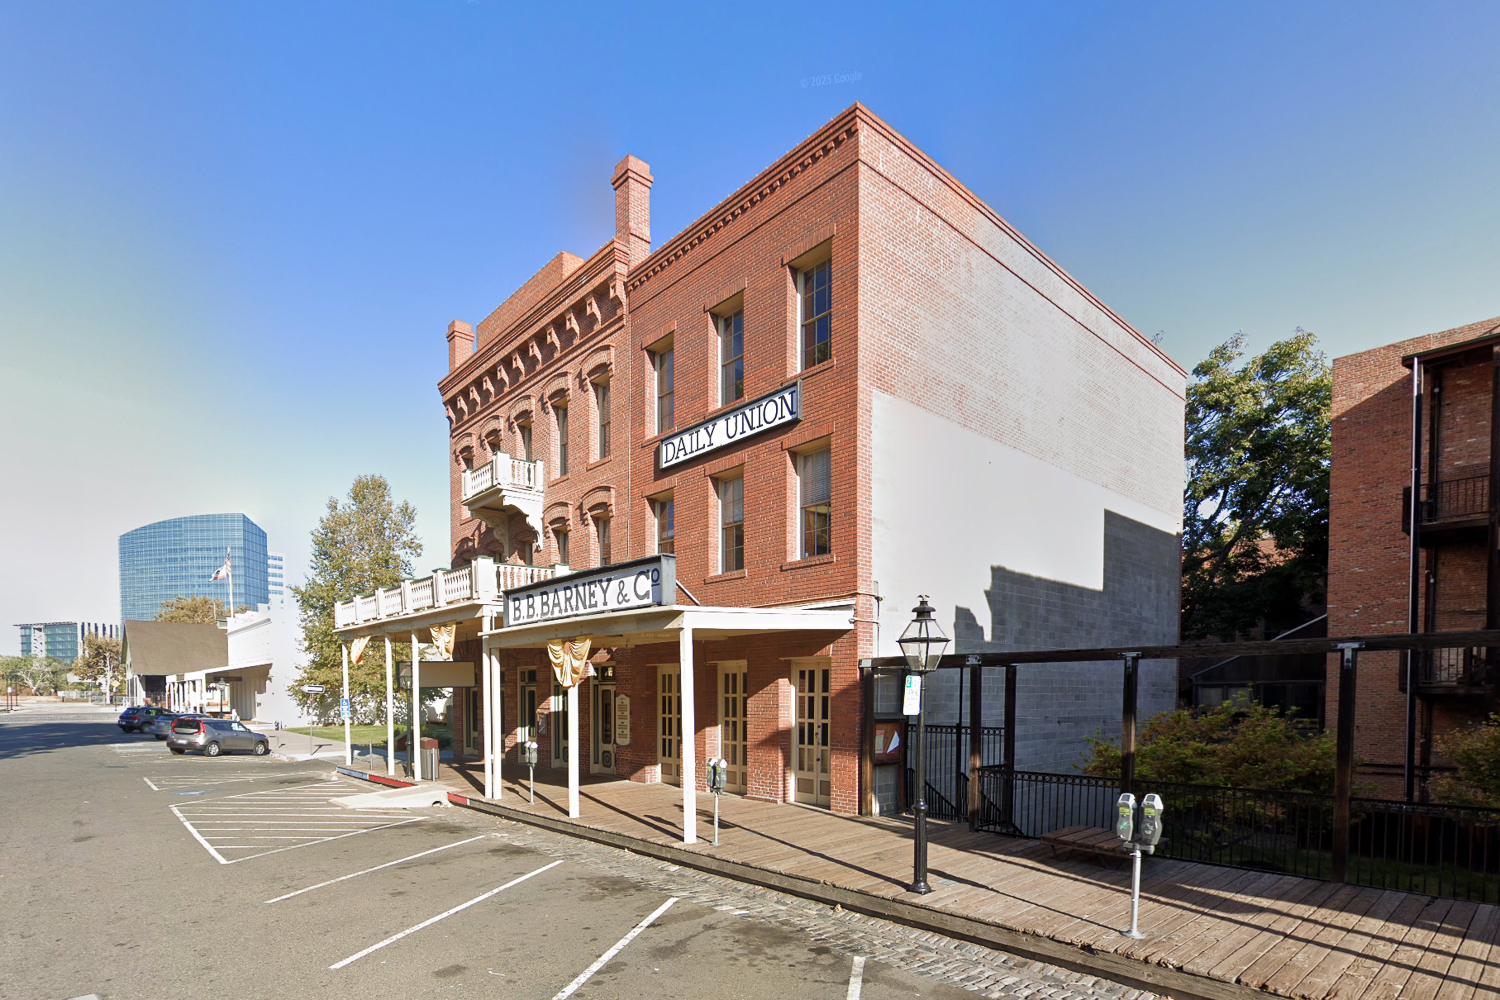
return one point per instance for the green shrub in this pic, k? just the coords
(1475, 751)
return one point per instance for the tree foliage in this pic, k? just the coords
(195, 610)
(1255, 511)
(1475, 751)
(42, 675)
(99, 663)
(1230, 746)
(362, 544)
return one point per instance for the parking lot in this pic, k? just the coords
(152, 875)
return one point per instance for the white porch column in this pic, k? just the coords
(497, 710)
(343, 700)
(688, 735)
(573, 751)
(488, 747)
(390, 711)
(416, 710)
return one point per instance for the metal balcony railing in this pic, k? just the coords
(1456, 670)
(1449, 500)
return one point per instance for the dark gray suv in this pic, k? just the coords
(216, 736)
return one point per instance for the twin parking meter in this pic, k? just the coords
(718, 778)
(1139, 838)
(528, 757)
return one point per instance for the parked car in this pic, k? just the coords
(215, 736)
(136, 718)
(161, 726)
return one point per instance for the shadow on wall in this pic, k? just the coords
(1139, 603)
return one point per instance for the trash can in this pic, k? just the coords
(429, 758)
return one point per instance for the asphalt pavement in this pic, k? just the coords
(131, 872)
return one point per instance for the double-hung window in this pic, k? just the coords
(731, 524)
(524, 427)
(561, 409)
(816, 487)
(664, 415)
(731, 357)
(560, 535)
(601, 400)
(602, 527)
(666, 527)
(815, 308)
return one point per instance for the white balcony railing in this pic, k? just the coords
(503, 472)
(482, 581)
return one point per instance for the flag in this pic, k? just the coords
(222, 573)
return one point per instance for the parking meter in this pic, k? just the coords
(528, 757)
(1125, 817)
(1151, 810)
(718, 778)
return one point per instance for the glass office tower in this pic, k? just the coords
(177, 558)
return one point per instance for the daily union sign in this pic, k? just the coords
(640, 583)
(781, 407)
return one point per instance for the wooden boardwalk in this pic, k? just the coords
(1290, 936)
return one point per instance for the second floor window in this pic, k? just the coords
(602, 526)
(816, 488)
(666, 528)
(561, 535)
(731, 524)
(562, 438)
(525, 430)
(664, 416)
(815, 304)
(732, 357)
(601, 396)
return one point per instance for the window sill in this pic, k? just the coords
(813, 372)
(737, 574)
(823, 560)
(558, 479)
(598, 462)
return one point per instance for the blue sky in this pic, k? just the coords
(232, 235)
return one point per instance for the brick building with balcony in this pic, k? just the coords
(848, 383)
(1416, 418)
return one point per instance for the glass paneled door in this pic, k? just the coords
(732, 741)
(810, 765)
(603, 711)
(669, 722)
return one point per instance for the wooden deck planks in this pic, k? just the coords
(1476, 955)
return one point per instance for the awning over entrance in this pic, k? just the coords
(642, 626)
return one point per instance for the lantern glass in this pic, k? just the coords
(923, 641)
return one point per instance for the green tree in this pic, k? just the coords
(365, 543)
(42, 675)
(196, 610)
(1255, 511)
(99, 662)
(1475, 751)
(1233, 746)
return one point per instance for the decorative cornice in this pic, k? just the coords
(742, 201)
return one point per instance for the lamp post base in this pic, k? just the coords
(920, 888)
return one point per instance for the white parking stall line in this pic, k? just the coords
(377, 868)
(432, 920)
(153, 786)
(856, 978)
(234, 828)
(599, 963)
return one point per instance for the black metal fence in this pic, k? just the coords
(1434, 850)
(947, 765)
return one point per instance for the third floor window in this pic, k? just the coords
(601, 396)
(664, 415)
(815, 306)
(562, 438)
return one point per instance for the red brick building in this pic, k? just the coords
(847, 383)
(1431, 401)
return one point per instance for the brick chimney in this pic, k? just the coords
(460, 343)
(633, 208)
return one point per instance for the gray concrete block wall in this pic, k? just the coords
(1060, 705)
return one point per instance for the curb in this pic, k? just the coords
(378, 779)
(1140, 975)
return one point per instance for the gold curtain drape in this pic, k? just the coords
(570, 659)
(357, 649)
(442, 638)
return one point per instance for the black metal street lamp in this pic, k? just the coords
(923, 643)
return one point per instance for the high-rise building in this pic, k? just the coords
(178, 558)
(276, 580)
(60, 640)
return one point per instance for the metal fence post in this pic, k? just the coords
(1127, 723)
(1343, 775)
(976, 742)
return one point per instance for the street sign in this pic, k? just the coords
(911, 700)
(343, 703)
(313, 688)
